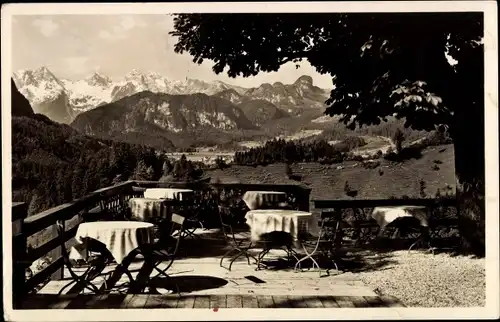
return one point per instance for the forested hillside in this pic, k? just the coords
(52, 163)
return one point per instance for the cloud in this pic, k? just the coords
(46, 26)
(129, 22)
(122, 29)
(104, 34)
(77, 64)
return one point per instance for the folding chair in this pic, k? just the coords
(239, 246)
(165, 250)
(326, 242)
(275, 240)
(96, 264)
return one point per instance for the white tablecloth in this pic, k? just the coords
(120, 237)
(146, 209)
(386, 215)
(168, 193)
(265, 221)
(256, 199)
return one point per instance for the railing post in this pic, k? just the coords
(19, 251)
(57, 252)
(303, 196)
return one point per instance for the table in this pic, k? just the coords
(168, 193)
(294, 222)
(123, 239)
(119, 237)
(257, 199)
(149, 209)
(386, 215)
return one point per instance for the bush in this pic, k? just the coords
(371, 164)
(398, 139)
(220, 163)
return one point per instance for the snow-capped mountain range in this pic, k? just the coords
(43, 89)
(63, 99)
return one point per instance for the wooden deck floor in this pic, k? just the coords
(204, 284)
(154, 301)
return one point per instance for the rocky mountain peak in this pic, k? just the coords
(97, 79)
(304, 80)
(20, 106)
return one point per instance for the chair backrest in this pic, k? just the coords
(178, 219)
(225, 215)
(177, 224)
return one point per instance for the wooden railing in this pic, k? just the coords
(356, 214)
(93, 206)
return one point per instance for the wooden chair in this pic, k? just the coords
(96, 264)
(239, 246)
(275, 240)
(327, 242)
(165, 250)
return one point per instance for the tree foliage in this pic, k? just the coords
(53, 164)
(382, 65)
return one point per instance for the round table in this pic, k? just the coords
(294, 222)
(149, 209)
(386, 215)
(119, 237)
(258, 199)
(168, 193)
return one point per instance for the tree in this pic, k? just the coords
(398, 139)
(382, 65)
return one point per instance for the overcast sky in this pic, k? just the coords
(74, 46)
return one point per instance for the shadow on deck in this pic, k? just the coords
(139, 301)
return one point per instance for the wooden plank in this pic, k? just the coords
(249, 301)
(81, 301)
(390, 301)
(186, 302)
(138, 301)
(313, 302)
(63, 301)
(297, 301)
(344, 301)
(359, 301)
(281, 301)
(172, 301)
(19, 211)
(38, 278)
(374, 301)
(202, 302)
(95, 301)
(328, 301)
(38, 301)
(218, 301)
(265, 301)
(234, 301)
(126, 298)
(44, 249)
(155, 301)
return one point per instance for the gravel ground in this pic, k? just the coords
(421, 279)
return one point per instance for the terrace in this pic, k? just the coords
(200, 281)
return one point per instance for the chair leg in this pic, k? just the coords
(224, 256)
(260, 257)
(66, 286)
(235, 258)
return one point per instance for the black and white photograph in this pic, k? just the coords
(255, 161)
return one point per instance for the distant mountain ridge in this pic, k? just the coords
(164, 115)
(62, 99)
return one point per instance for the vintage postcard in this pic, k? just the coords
(250, 161)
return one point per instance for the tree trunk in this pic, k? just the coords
(468, 138)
